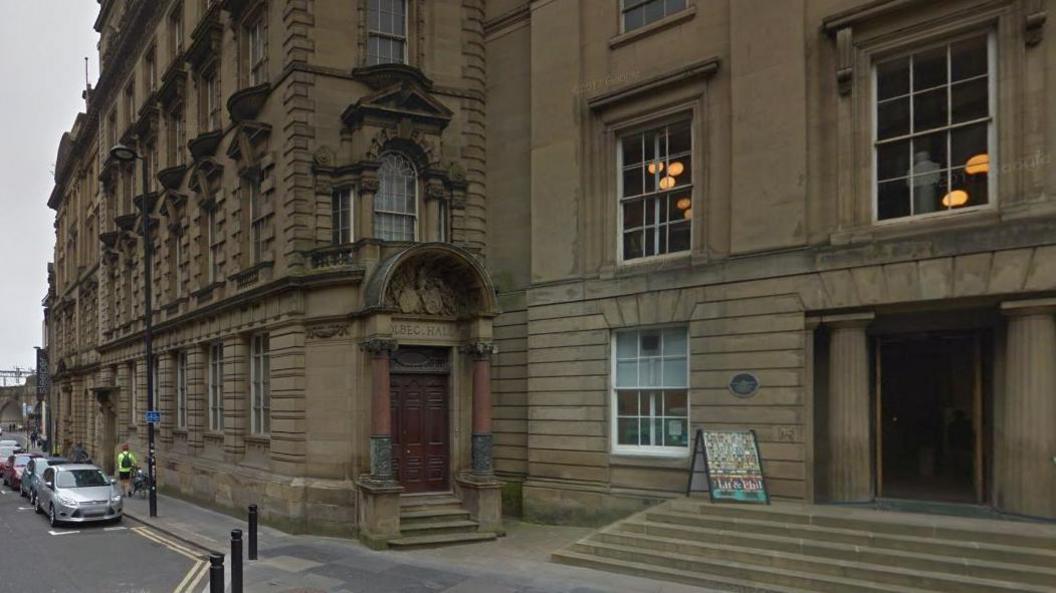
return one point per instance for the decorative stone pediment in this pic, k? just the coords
(205, 144)
(206, 39)
(173, 84)
(246, 104)
(432, 279)
(205, 177)
(249, 142)
(402, 100)
(172, 205)
(146, 127)
(171, 178)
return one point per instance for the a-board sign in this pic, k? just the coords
(733, 469)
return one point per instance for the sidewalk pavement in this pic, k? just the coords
(517, 563)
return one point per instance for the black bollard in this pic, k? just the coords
(236, 561)
(216, 573)
(252, 532)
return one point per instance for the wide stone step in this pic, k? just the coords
(445, 539)
(424, 503)
(438, 527)
(813, 574)
(727, 576)
(1008, 533)
(433, 516)
(696, 527)
(813, 556)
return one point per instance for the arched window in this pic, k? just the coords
(396, 203)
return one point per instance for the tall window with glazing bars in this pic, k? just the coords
(386, 32)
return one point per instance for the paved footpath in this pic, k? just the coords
(122, 557)
(517, 563)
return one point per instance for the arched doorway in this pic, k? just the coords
(429, 312)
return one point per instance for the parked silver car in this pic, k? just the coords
(33, 477)
(78, 493)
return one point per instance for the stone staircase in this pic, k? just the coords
(795, 548)
(435, 520)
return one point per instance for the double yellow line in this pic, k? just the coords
(198, 569)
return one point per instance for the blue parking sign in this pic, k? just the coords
(153, 416)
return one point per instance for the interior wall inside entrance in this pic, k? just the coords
(933, 404)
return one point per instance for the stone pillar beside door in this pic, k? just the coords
(1025, 431)
(481, 492)
(379, 492)
(850, 461)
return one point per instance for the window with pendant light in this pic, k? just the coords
(934, 129)
(656, 191)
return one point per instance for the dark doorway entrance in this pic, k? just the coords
(420, 444)
(930, 402)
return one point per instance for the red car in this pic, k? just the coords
(14, 466)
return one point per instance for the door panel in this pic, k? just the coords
(420, 445)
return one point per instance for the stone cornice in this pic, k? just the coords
(138, 26)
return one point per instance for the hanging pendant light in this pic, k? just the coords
(978, 164)
(667, 182)
(955, 198)
(684, 203)
(655, 167)
(675, 168)
(688, 214)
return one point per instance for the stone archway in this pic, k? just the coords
(436, 285)
(432, 279)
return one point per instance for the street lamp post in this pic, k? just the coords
(127, 154)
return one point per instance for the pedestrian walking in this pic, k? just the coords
(126, 461)
(80, 454)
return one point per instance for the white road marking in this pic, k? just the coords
(114, 528)
(53, 532)
(25, 508)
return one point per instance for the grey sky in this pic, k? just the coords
(43, 44)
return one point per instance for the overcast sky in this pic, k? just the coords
(43, 44)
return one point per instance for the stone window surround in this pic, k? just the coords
(260, 384)
(629, 452)
(251, 16)
(675, 120)
(624, 37)
(414, 51)
(873, 40)
(994, 127)
(639, 105)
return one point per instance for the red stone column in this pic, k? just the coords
(380, 409)
(482, 439)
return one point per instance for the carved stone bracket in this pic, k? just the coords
(327, 330)
(479, 350)
(844, 61)
(379, 345)
(369, 183)
(1034, 22)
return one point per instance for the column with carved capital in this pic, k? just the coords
(368, 186)
(380, 409)
(1025, 440)
(482, 439)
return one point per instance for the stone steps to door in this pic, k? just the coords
(803, 548)
(436, 520)
(438, 527)
(433, 515)
(913, 569)
(695, 526)
(427, 541)
(1012, 533)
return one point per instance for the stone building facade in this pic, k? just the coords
(316, 200)
(548, 234)
(850, 200)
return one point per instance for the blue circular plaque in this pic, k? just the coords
(744, 385)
